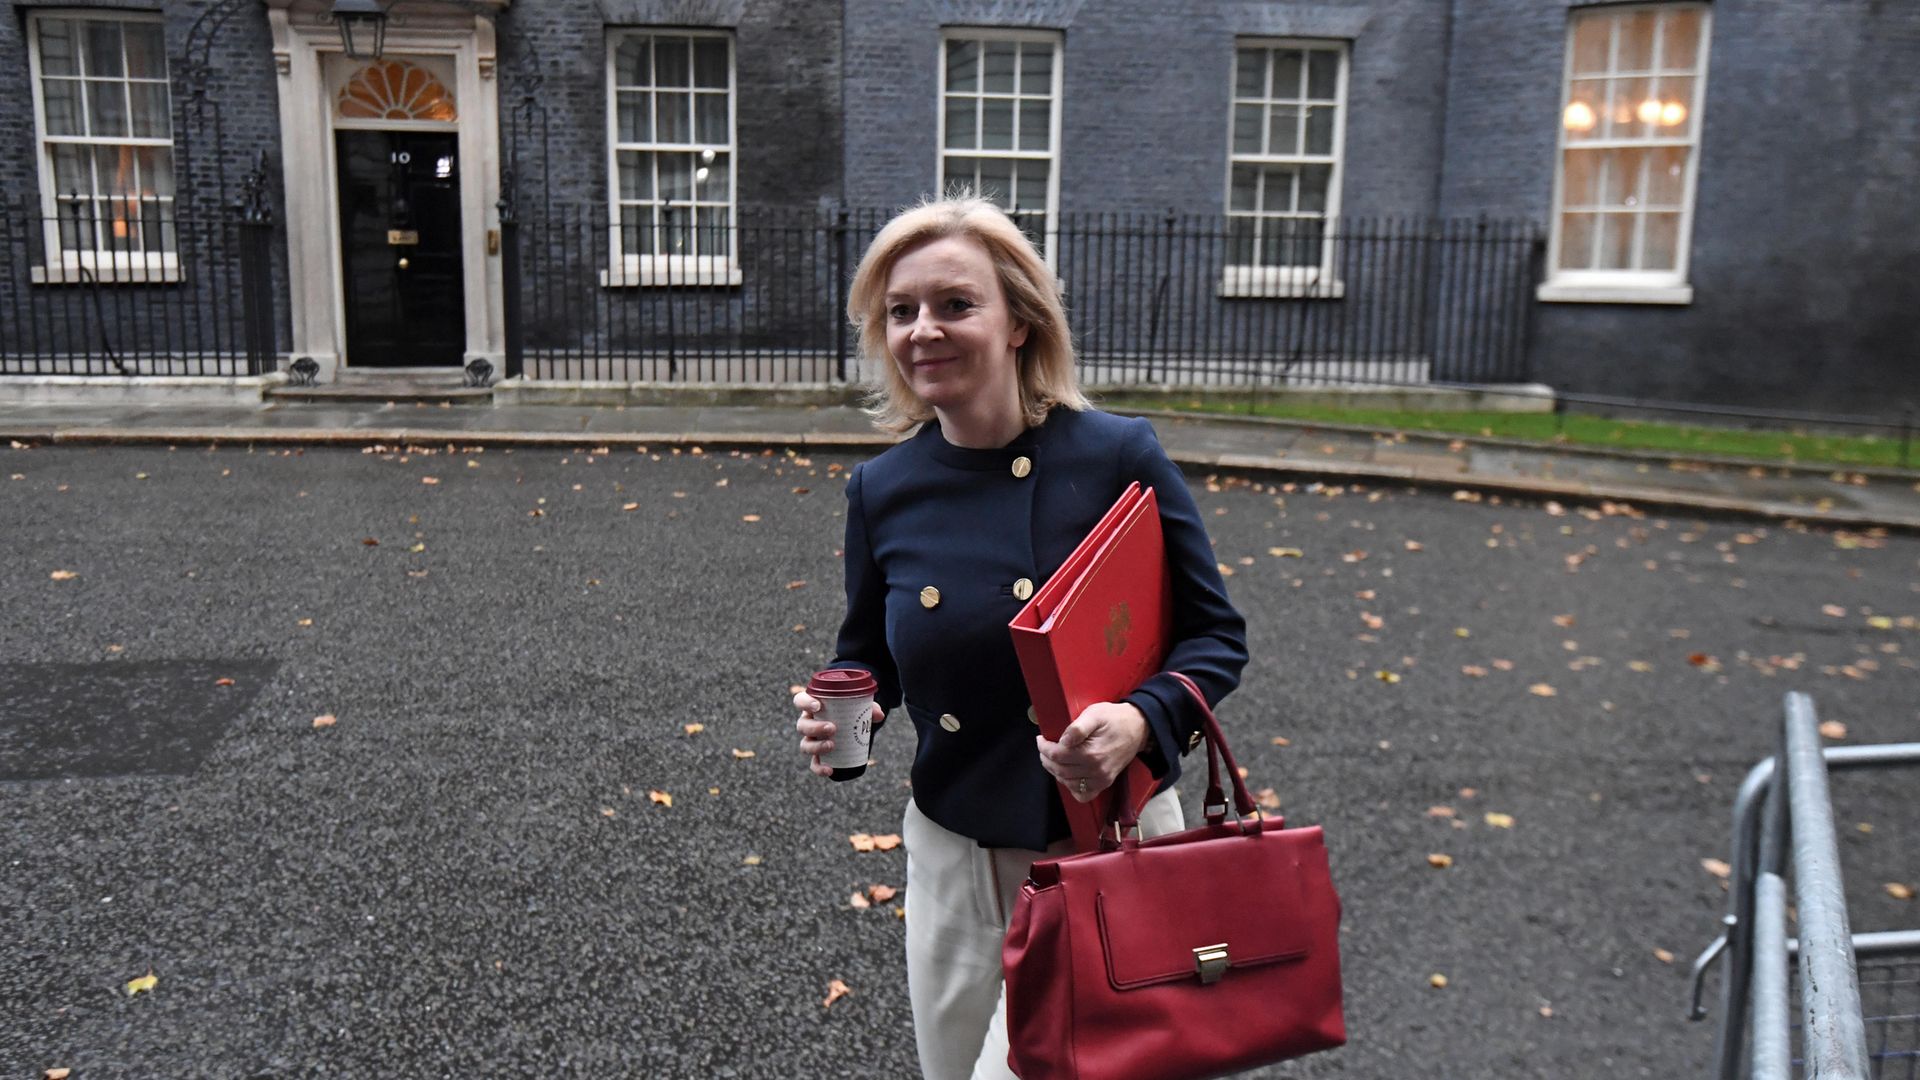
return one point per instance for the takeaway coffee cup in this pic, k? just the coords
(846, 699)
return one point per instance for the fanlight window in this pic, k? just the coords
(396, 90)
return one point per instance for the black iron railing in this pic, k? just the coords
(135, 287)
(1172, 299)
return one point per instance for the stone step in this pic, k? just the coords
(403, 386)
(395, 394)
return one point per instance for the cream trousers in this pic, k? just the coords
(959, 898)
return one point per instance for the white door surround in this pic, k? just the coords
(307, 55)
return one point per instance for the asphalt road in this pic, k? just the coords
(464, 874)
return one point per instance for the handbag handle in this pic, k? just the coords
(1128, 823)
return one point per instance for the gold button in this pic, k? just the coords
(950, 721)
(1033, 717)
(929, 598)
(1022, 466)
(1023, 589)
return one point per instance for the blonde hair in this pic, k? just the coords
(1047, 374)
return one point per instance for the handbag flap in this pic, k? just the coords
(1161, 908)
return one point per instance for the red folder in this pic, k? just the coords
(1094, 632)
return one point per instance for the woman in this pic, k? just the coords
(948, 534)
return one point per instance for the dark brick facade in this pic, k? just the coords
(1803, 246)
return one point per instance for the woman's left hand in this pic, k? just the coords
(1093, 752)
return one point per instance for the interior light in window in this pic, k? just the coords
(1673, 114)
(1649, 111)
(443, 168)
(700, 174)
(706, 157)
(1579, 117)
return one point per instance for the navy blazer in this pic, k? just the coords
(940, 537)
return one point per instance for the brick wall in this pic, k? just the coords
(1804, 248)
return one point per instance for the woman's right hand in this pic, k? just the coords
(816, 736)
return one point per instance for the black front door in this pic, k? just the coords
(400, 242)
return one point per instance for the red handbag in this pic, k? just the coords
(1195, 954)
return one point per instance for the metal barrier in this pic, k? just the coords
(1779, 828)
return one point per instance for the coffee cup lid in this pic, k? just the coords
(842, 682)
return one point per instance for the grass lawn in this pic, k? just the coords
(1574, 429)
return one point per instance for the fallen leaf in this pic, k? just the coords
(694, 729)
(796, 584)
(1461, 632)
(1473, 671)
(1468, 793)
(1439, 862)
(1415, 545)
(606, 811)
(1441, 811)
(1374, 622)
(1880, 622)
(63, 575)
(1541, 689)
(1899, 891)
(429, 480)
(1717, 868)
(1267, 799)
(417, 549)
(859, 901)
(306, 622)
(629, 507)
(56, 1074)
(327, 720)
(370, 542)
(835, 991)
(749, 517)
(752, 860)
(886, 842)
(660, 797)
(1563, 620)
(1503, 665)
(1225, 570)
(741, 755)
(1833, 729)
(882, 893)
(1499, 821)
(1437, 981)
(1364, 594)
(1663, 956)
(861, 841)
(223, 682)
(1282, 740)
(1386, 676)
(1546, 1011)
(1833, 611)
(143, 984)
(1639, 665)
(1286, 553)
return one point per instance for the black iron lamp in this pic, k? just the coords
(363, 27)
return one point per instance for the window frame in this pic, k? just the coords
(662, 270)
(1050, 230)
(1627, 286)
(1256, 279)
(61, 265)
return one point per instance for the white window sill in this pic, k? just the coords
(1567, 293)
(168, 273)
(1261, 283)
(656, 276)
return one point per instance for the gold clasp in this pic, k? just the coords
(1211, 962)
